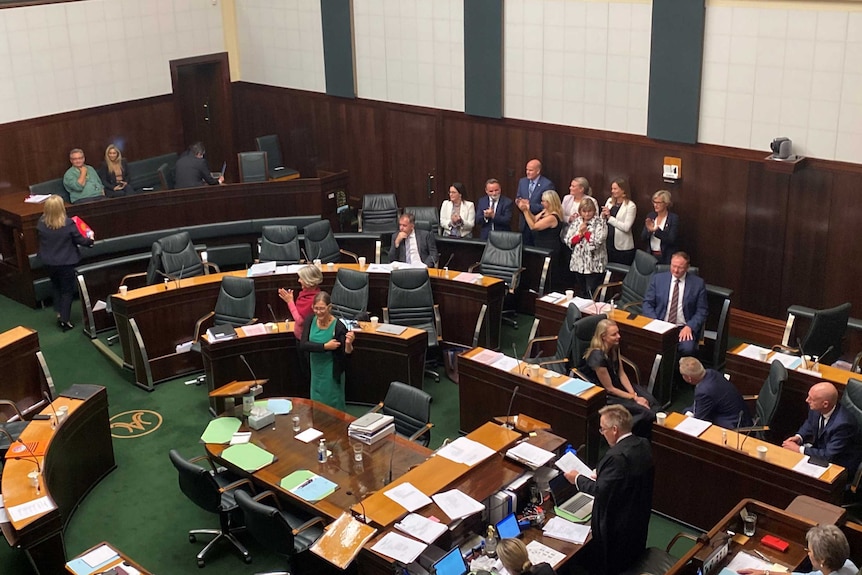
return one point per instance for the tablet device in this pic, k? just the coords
(507, 527)
(451, 564)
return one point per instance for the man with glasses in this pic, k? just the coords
(622, 489)
(81, 181)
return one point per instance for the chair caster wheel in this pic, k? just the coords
(437, 379)
(192, 539)
(201, 563)
(247, 559)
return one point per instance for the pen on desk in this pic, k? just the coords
(306, 482)
(762, 556)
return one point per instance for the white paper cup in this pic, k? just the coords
(33, 476)
(124, 290)
(396, 265)
(318, 263)
(204, 256)
(763, 354)
(362, 261)
(761, 451)
(374, 321)
(272, 327)
(534, 370)
(330, 266)
(548, 376)
(62, 413)
(660, 418)
(570, 294)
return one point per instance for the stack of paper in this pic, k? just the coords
(421, 528)
(456, 504)
(343, 540)
(402, 549)
(465, 451)
(221, 332)
(261, 269)
(371, 428)
(529, 455)
(408, 497)
(559, 528)
(308, 485)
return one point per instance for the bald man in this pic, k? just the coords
(531, 187)
(830, 431)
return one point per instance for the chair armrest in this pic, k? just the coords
(565, 360)
(425, 429)
(252, 321)
(201, 458)
(631, 304)
(857, 363)
(359, 219)
(750, 397)
(376, 408)
(575, 372)
(214, 267)
(351, 254)
(237, 483)
(473, 267)
(785, 349)
(267, 494)
(618, 268)
(604, 286)
(677, 537)
(199, 323)
(385, 315)
(516, 279)
(535, 340)
(634, 367)
(438, 323)
(127, 277)
(310, 523)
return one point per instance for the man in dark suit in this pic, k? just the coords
(413, 246)
(830, 432)
(494, 210)
(192, 170)
(623, 490)
(715, 399)
(531, 187)
(687, 293)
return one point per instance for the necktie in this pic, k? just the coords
(674, 303)
(819, 428)
(532, 187)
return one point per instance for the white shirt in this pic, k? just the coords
(680, 317)
(412, 249)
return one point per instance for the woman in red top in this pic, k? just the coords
(309, 278)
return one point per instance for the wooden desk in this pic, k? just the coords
(151, 321)
(25, 373)
(637, 344)
(377, 360)
(78, 455)
(485, 392)
(748, 375)
(123, 558)
(698, 479)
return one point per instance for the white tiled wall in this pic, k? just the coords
(578, 62)
(784, 70)
(61, 57)
(281, 43)
(410, 51)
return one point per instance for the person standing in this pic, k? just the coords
(192, 170)
(457, 214)
(715, 399)
(300, 307)
(546, 227)
(620, 213)
(59, 239)
(661, 228)
(494, 210)
(81, 181)
(531, 187)
(586, 237)
(326, 343)
(623, 489)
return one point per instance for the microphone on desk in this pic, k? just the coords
(825, 353)
(449, 261)
(361, 506)
(749, 430)
(508, 424)
(515, 353)
(737, 427)
(272, 313)
(56, 421)
(304, 255)
(250, 370)
(801, 353)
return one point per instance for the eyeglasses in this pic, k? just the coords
(320, 309)
(604, 429)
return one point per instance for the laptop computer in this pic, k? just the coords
(217, 175)
(450, 564)
(569, 503)
(507, 527)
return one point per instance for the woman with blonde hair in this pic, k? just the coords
(300, 308)
(546, 225)
(59, 239)
(513, 555)
(620, 213)
(586, 237)
(115, 173)
(605, 368)
(579, 190)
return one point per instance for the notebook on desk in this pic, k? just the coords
(391, 328)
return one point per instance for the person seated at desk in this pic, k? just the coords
(513, 555)
(81, 181)
(715, 399)
(828, 551)
(326, 343)
(623, 490)
(830, 432)
(605, 368)
(115, 173)
(494, 211)
(413, 246)
(681, 301)
(457, 215)
(192, 170)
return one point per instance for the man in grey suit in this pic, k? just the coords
(413, 246)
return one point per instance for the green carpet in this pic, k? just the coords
(139, 507)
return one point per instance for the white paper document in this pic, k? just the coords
(36, 198)
(254, 329)
(465, 451)
(421, 528)
(291, 269)
(467, 277)
(488, 356)
(31, 508)
(262, 269)
(308, 435)
(506, 363)
(99, 555)
(530, 455)
(810, 469)
(569, 461)
(692, 426)
(379, 268)
(400, 548)
(553, 297)
(743, 560)
(788, 361)
(408, 497)
(456, 504)
(564, 530)
(659, 326)
(589, 306)
(752, 351)
(100, 305)
(539, 553)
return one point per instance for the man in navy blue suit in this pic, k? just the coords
(688, 294)
(531, 187)
(830, 432)
(715, 399)
(494, 210)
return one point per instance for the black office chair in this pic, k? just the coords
(502, 258)
(166, 177)
(175, 257)
(279, 244)
(824, 334)
(11, 426)
(851, 400)
(560, 361)
(582, 335)
(275, 163)
(350, 294)
(379, 214)
(411, 408)
(411, 303)
(451, 350)
(252, 167)
(634, 285)
(717, 327)
(320, 243)
(235, 306)
(766, 402)
(283, 533)
(657, 561)
(213, 491)
(427, 218)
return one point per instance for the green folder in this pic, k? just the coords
(220, 430)
(308, 485)
(248, 456)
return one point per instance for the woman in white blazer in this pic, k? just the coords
(620, 212)
(457, 215)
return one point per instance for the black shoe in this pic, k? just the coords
(66, 326)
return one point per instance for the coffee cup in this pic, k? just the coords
(33, 476)
(124, 290)
(761, 451)
(534, 370)
(317, 263)
(570, 294)
(330, 266)
(272, 327)
(62, 413)
(763, 354)
(660, 418)
(204, 256)
(362, 261)
(374, 321)
(549, 376)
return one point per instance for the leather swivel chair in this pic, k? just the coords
(175, 257)
(503, 259)
(582, 335)
(350, 293)
(213, 491)
(560, 360)
(252, 166)
(427, 218)
(10, 431)
(452, 350)
(656, 561)
(851, 400)
(411, 408)
(277, 170)
(235, 306)
(320, 243)
(766, 402)
(279, 244)
(283, 533)
(166, 177)
(411, 303)
(379, 214)
(634, 286)
(824, 334)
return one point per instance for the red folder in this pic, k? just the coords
(83, 227)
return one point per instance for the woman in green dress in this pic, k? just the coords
(326, 343)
